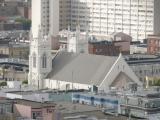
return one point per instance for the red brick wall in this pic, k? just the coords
(103, 49)
(153, 46)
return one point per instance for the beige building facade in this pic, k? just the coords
(137, 18)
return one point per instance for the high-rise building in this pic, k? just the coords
(137, 18)
(64, 14)
(156, 17)
(45, 14)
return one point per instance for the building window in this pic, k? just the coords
(34, 60)
(44, 61)
(36, 115)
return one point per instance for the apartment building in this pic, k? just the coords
(138, 18)
(45, 16)
(64, 14)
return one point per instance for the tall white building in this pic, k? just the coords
(137, 18)
(45, 14)
(45, 25)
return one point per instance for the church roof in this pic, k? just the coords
(81, 68)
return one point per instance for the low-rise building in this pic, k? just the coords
(29, 95)
(123, 40)
(10, 26)
(101, 101)
(19, 50)
(106, 48)
(12, 70)
(6, 106)
(4, 47)
(143, 103)
(138, 49)
(153, 44)
(26, 109)
(6, 109)
(130, 102)
(76, 111)
(144, 65)
(14, 49)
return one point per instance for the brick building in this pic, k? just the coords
(123, 41)
(118, 43)
(153, 44)
(34, 110)
(14, 50)
(103, 48)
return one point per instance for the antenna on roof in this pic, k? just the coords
(72, 79)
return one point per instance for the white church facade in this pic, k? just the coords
(44, 28)
(40, 59)
(74, 69)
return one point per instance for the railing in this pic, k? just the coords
(14, 60)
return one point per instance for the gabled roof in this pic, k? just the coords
(81, 68)
(119, 34)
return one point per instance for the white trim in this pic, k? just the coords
(110, 70)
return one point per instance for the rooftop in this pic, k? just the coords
(142, 59)
(34, 104)
(84, 112)
(68, 108)
(26, 92)
(67, 66)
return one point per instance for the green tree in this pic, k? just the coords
(25, 82)
(3, 84)
(156, 82)
(25, 22)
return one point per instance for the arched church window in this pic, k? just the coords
(34, 60)
(44, 61)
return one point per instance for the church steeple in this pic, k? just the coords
(40, 59)
(45, 25)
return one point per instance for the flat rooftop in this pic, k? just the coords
(34, 104)
(26, 92)
(141, 59)
(74, 110)
(69, 108)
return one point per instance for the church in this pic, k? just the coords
(67, 70)
(75, 70)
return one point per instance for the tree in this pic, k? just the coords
(155, 82)
(3, 84)
(25, 22)
(25, 82)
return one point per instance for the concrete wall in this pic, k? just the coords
(36, 17)
(22, 110)
(33, 97)
(13, 96)
(14, 84)
(62, 85)
(156, 17)
(137, 49)
(54, 17)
